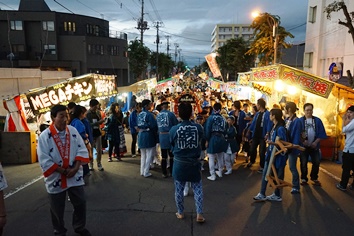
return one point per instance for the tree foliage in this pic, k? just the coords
(165, 65)
(349, 16)
(263, 44)
(138, 58)
(181, 66)
(232, 58)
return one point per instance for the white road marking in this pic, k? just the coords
(330, 174)
(9, 194)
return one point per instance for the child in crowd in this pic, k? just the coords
(232, 145)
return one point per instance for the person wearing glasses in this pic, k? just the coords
(313, 132)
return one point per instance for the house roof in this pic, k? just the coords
(33, 5)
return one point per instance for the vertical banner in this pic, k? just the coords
(213, 65)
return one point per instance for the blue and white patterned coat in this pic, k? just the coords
(215, 129)
(49, 159)
(165, 121)
(147, 125)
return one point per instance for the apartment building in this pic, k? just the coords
(224, 32)
(36, 37)
(327, 42)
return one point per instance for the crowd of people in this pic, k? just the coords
(219, 133)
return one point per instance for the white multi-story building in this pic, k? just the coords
(326, 40)
(224, 32)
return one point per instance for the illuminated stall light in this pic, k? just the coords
(125, 95)
(279, 85)
(292, 90)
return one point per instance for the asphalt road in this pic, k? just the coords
(121, 202)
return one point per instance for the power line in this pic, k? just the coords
(325, 33)
(191, 32)
(298, 26)
(207, 41)
(203, 53)
(127, 9)
(7, 6)
(149, 15)
(136, 3)
(63, 6)
(155, 10)
(90, 8)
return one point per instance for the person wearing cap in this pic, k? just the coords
(185, 142)
(232, 145)
(94, 117)
(215, 129)
(147, 137)
(165, 120)
(348, 151)
(312, 133)
(293, 127)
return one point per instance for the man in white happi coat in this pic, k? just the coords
(61, 152)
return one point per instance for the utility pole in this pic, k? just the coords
(176, 47)
(179, 59)
(142, 25)
(179, 55)
(157, 24)
(168, 44)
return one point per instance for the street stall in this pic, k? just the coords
(141, 89)
(27, 111)
(329, 99)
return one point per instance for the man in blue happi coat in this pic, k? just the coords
(260, 127)
(165, 120)
(312, 133)
(215, 129)
(147, 137)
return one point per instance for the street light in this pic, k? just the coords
(273, 23)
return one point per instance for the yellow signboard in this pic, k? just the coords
(304, 80)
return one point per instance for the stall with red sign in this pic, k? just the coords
(329, 99)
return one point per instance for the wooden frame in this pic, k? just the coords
(279, 147)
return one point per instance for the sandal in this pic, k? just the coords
(200, 219)
(179, 216)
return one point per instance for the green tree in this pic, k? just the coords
(181, 66)
(263, 44)
(349, 16)
(165, 65)
(138, 58)
(232, 58)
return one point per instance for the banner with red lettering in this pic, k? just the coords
(75, 90)
(303, 80)
(214, 68)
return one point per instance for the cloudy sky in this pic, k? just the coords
(188, 22)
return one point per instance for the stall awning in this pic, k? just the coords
(138, 86)
(340, 91)
(75, 89)
(303, 80)
(15, 119)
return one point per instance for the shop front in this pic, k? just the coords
(329, 99)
